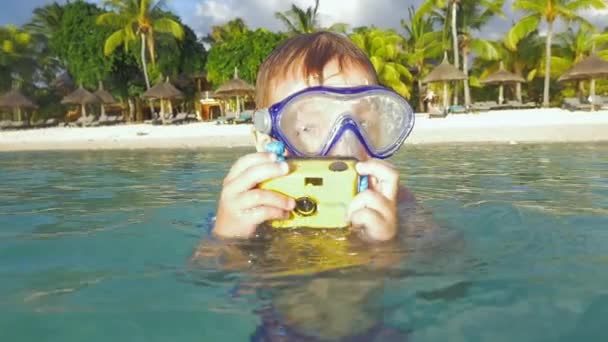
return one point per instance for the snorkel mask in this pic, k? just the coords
(312, 122)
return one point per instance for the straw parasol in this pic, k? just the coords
(81, 97)
(104, 97)
(589, 68)
(445, 72)
(16, 100)
(235, 87)
(592, 67)
(162, 91)
(502, 77)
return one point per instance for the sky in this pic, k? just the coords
(202, 14)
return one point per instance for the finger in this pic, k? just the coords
(248, 161)
(386, 176)
(373, 200)
(254, 175)
(259, 197)
(372, 225)
(263, 213)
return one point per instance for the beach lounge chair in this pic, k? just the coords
(483, 106)
(456, 109)
(5, 124)
(574, 104)
(178, 119)
(244, 117)
(436, 112)
(191, 117)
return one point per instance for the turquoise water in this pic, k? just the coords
(97, 246)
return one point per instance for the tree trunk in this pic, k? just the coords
(581, 90)
(518, 92)
(420, 96)
(592, 94)
(140, 112)
(546, 93)
(501, 94)
(162, 111)
(143, 60)
(455, 45)
(131, 110)
(465, 69)
(445, 95)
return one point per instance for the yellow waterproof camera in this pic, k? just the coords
(322, 188)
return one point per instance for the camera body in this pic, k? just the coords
(323, 189)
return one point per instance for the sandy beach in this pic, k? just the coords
(509, 126)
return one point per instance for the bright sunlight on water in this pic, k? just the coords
(98, 246)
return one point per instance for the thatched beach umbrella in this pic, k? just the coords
(105, 98)
(162, 91)
(592, 67)
(445, 72)
(502, 77)
(235, 87)
(81, 97)
(14, 99)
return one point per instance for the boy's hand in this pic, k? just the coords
(375, 209)
(242, 207)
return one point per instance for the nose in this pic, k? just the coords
(349, 145)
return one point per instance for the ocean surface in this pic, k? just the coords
(101, 246)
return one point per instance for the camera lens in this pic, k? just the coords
(305, 206)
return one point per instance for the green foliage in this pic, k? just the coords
(16, 60)
(226, 32)
(298, 20)
(245, 52)
(387, 52)
(138, 21)
(176, 58)
(85, 60)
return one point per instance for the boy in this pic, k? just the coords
(302, 62)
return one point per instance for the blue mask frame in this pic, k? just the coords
(270, 123)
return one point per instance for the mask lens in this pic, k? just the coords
(309, 120)
(306, 123)
(382, 118)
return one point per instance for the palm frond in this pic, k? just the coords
(111, 19)
(533, 6)
(484, 49)
(166, 25)
(520, 30)
(115, 40)
(339, 27)
(585, 4)
(282, 17)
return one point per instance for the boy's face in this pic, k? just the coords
(348, 145)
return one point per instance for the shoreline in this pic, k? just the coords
(551, 125)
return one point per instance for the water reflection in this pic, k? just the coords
(521, 226)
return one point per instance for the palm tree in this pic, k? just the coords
(572, 47)
(228, 31)
(473, 17)
(549, 11)
(45, 20)
(138, 18)
(423, 43)
(386, 50)
(446, 11)
(298, 20)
